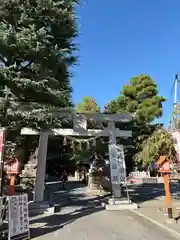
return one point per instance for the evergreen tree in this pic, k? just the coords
(140, 98)
(37, 44)
(36, 51)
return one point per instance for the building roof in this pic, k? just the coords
(162, 159)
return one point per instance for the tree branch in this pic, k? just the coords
(3, 60)
(27, 65)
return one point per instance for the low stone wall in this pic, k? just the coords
(139, 174)
(149, 180)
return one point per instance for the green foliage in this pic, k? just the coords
(88, 105)
(139, 97)
(36, 50)
(158, 144)
(178, 123)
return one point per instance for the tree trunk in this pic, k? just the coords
(26, 152)
(93, 182)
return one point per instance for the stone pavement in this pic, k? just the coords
(160, 216)
(82, 218)
(152, 204)
(156, 210)
(102, 225)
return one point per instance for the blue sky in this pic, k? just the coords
(119, 39)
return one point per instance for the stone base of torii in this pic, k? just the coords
(80, 129)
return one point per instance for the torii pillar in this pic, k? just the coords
(41, 167)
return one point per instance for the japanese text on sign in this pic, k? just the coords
(18, 215)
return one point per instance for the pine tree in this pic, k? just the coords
(139, 97)
(36, 50)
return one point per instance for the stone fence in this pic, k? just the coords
(143, 177)
(139, 174)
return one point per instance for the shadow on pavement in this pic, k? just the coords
(53, 189)
(51, 223)
(146, 192)
(73, 203)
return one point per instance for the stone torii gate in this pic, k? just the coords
(79, 129)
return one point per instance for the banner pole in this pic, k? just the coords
(2, 147)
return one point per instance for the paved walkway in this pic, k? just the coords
(152, 203)
(82, 218)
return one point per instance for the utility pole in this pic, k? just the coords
(175, 88)
(175, 100)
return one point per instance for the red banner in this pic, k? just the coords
(2, 131)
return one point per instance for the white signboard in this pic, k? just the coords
(121, 163)
(113, 164)
(18, 219)
(117, 164)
